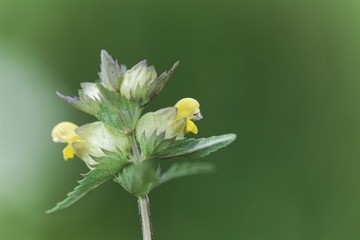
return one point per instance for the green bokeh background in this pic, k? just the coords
(283, 75)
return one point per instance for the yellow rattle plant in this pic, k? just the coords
(126, 145)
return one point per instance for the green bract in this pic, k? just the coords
(125, 145)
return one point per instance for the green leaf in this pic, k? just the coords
(148, 144)
(83, 103)
(111, 72)
(192, 148)
(158, 85)
(138, 179)
(103, 171)
(185, 169)
(117, 111)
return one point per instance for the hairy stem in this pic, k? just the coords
(142, 201)
(145, 217)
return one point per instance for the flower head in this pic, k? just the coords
(190, 109)
(141, 82)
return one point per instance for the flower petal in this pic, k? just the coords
(68, 152)
(64, 132)
(187, 107)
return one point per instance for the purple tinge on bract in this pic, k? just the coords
(68, 98)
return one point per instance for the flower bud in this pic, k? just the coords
(142, 84)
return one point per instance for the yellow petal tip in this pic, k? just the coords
(68, 152)
(191, 127)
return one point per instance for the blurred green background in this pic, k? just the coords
(283, 75)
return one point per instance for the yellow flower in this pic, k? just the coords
(190, 109)
(89, 140)
(64, 132)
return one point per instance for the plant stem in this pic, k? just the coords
(142, 201)
(135, 149)
(145, 217)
